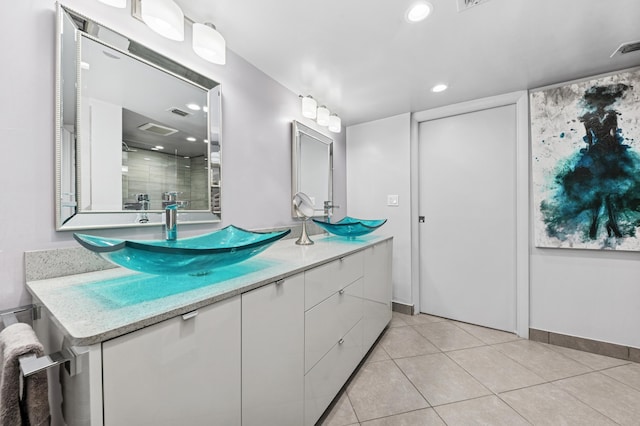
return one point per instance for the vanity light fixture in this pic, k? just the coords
(419, 11)
(167, 19)
(208, 43)
(439, 88)
(309, 106)
(335, 124)
(323, 115)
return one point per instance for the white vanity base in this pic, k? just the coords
(269, 350)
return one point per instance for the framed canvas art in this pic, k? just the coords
(585, 147)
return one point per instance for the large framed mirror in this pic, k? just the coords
(312, 167)
(135, 131)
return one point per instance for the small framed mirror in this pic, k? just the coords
(135, 131)
(312, 167)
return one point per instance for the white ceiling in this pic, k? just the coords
(364, 61)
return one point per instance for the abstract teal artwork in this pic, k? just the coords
(585, 146)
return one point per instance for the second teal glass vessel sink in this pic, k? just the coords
(185, 256)
(350, 226)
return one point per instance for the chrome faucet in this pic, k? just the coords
(143, 201)
(328, 209)
(171, 216)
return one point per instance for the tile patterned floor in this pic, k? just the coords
(427, 370)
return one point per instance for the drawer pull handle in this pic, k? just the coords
(341, 341)
(189, 315)
(341, 291)
(279, 282)
(342, 259)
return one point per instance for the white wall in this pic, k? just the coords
(256, 137)
(583, 293)
(590, 294)
(378, 157)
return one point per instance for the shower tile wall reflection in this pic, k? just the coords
(154, 173)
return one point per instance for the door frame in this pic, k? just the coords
(521, 100)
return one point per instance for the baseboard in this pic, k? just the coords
(403, 308)
(587, 345)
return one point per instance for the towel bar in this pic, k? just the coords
(30, 364)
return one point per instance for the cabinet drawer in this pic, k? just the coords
(375, 317)
(326, 323)
(323, 281)
(323, 382)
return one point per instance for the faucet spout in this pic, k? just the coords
(171, 222)
(328, 209)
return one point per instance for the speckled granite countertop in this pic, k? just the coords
(97, 306)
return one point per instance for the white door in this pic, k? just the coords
(468, 200)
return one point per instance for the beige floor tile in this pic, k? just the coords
(380, 389)
(593, 361)
(377, 354)
(426, 417)
(546, 404)
(423, 319)
(400, 342)
(628, 374)
(615, 400)
(542, 360)
(494, 369)
(440, 380)
(446, 336)
(488, 410)
(341, 414)
(487, 335)
(397, 320)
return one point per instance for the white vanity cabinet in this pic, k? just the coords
(263, 351)
(182, 371)
(273, 353)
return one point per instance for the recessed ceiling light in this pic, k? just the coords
(159, 147)
(194, 107)
(439, 88)
(419, 11)
(205, 108)
(205, 140)
(191, 139)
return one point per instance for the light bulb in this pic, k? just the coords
(209, 44)
(164, 17)
(335, 124)
(309, 107)
(323, 116)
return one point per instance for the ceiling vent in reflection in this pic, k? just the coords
(627, 47)
(157, 129)
(178, 111)
(468, 4)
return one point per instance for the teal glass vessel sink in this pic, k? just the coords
(185, 256)
(350, 226)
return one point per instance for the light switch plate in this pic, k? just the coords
(392, 200)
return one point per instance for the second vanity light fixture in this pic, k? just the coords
(321, 114)
(167, 19)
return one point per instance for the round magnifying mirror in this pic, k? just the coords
(303, 207)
